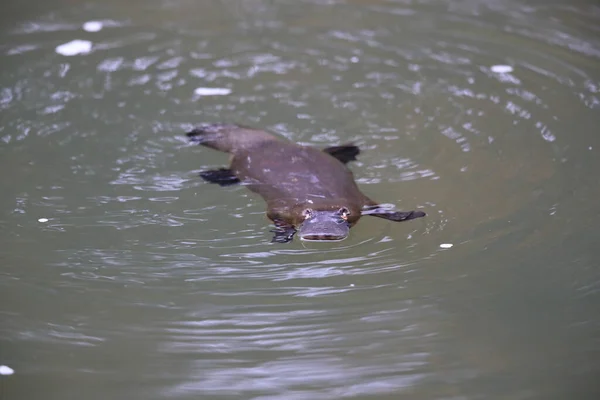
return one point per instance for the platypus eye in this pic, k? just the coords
(343, 213)
(307, 213)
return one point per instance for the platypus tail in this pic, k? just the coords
(216, 136)
(204, 132)
(227, 137)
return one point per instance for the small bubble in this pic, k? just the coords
(446, 245)
(43, 220)
(354, 59)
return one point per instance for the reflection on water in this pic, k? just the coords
(124, 275)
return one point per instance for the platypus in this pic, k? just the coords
(307, 190)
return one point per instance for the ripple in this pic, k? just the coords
(139, 255)
(295, 340)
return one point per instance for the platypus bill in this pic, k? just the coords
(307, 190)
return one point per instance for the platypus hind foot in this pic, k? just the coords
(397, 215)
(345, 153)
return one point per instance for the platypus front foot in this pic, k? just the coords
(221, 176)
(283, 234)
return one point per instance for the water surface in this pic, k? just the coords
(147, 283)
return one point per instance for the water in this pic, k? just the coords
(147, 283)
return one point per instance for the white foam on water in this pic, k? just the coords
(446, 245)
(502, 69)
(204, 91)
(6, 370)
(74, 47)
(43, 220)
(93, 26)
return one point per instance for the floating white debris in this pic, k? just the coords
(92, 26)
(43, 220)
(205, 91)
(446, 245)
(352, 285)
(501, 69)
(6, 370)
(74, 47)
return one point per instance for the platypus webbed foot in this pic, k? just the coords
(344, 153)
(396, 215)
(283, 234)
(221, 176)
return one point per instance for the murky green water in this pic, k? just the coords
(147, 283)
